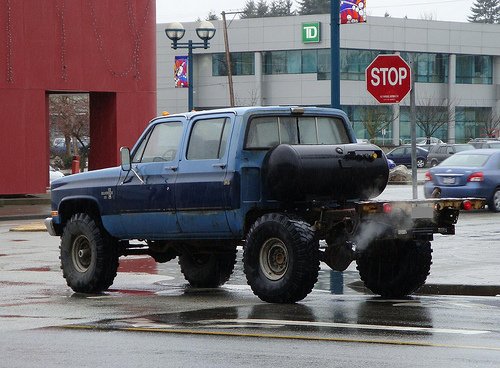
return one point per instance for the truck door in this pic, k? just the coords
(202, 191)
(146, 197)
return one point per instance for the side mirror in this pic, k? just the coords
(125, 159)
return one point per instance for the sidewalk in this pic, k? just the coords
(30, 207)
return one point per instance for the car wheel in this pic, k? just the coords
(420, 163)
(434, 163)
(494, 202)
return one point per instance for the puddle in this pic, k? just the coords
(138, 265)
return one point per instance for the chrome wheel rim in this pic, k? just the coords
(274, 259)
(81, 253)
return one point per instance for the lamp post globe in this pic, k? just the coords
(175, 31)
(205, 30)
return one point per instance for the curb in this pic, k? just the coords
(442, 289)
(23, 217)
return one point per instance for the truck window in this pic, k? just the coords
(161, 144)
(208, 139)
(267, 132)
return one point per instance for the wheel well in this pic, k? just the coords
(70, 207)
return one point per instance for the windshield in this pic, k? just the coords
(470, 160)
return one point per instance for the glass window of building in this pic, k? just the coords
(309, 61)
(474, 69)
(293, 62)
(472, 122)
(371, 122)
(242, 63)
(440, 131)
(430, 67)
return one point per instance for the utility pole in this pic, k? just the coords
(413, 128)
(228, 59)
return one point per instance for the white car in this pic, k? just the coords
(54, 174)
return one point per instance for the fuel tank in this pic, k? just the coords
(324, 172)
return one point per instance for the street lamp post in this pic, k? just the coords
(175, 31)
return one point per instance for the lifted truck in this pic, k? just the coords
(277, 180)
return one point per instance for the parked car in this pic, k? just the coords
(421, 141)
(54, 174)
(58, 147)
(440, 152)
(485, 142)
(467, 174)
(391, 164)
(402, 156)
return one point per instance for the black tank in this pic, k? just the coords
(325, 172)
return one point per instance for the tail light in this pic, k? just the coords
(467, 205)
(476, 177)
(387, 208)
(428, 176)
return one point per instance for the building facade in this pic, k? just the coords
(274, 62)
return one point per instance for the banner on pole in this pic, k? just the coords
(181, 72)
(352, 11)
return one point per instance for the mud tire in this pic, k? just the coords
(395, 268)
(208, 270)
(281, 258)
(89, 256)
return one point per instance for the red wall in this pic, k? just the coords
(105, 47)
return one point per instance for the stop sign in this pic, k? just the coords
(388, 78)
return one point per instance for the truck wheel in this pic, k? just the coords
(89, 257)
(207, 270)
(395, 268)
(281, 258)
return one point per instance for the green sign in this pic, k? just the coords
(311, 32)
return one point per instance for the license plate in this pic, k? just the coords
(449, 180)
(422, 212)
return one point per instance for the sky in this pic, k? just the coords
(445, 10)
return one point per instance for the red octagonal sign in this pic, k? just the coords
(388, 78)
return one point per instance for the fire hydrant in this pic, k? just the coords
(75, 164)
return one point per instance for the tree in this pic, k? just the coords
(489, 125)
(262, 9)
(69, 118)
(314, 7)
(212, 16)
(377, 118)
(277, 8)
(281, 8)
(432, 115)
(485, 11)
(250, 10)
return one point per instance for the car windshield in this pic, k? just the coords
(470, 160)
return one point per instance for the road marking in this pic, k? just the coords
(275, 322)
(281, 337)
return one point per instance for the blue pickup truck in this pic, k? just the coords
(289, 184)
